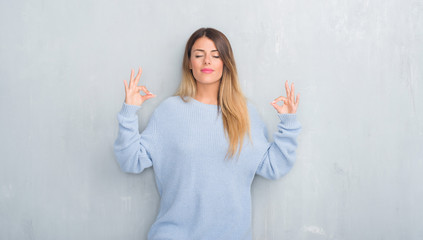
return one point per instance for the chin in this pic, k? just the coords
(208, 82)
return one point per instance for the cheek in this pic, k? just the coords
(194, 65)
(190, 64)
(220, 66)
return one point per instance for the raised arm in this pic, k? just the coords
(280, 155)
(132, 149)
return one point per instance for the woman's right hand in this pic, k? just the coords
(132, 92)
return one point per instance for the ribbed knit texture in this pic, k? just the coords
(203, 195)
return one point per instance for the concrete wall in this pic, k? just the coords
(357, 64)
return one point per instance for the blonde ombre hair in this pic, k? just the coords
(230, 99)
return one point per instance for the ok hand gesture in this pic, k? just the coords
(133, 96)
(290, 104)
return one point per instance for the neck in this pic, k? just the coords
(207, 93)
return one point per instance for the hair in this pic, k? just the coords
(230, 99)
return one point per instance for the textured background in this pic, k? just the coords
(357, 64)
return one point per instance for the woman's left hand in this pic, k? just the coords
(290, 103)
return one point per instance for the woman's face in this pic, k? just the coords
(205, 62)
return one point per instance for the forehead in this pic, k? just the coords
(203, 43)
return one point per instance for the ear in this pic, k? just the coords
(190, 66)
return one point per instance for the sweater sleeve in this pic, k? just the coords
(280, 155)
(132, 149)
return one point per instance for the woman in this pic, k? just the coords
(206, 144)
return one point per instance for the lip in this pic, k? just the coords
(207, 70)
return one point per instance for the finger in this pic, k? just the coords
(137, 78)
(146, 97)
(144, 89)
(276, 106)
(292, 96)
(132, 78)
(281, 98)
(287, 88)
(141, 88)
(126, 86)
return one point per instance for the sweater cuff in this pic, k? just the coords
(289, 120)
(129, 110)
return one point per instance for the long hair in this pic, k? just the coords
(230, 100)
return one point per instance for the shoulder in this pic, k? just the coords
(172, 100)
(169, 105)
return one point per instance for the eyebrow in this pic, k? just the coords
(201, 50)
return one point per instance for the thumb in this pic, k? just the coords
(148, 96)
(275, 105)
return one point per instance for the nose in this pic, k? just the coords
(207, 59)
